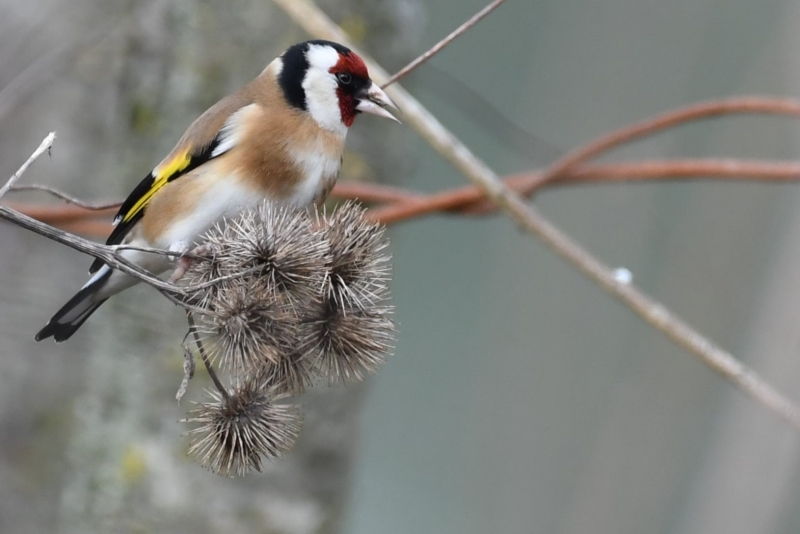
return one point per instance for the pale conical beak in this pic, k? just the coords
(374, 101)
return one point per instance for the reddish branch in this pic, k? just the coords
(395, 204)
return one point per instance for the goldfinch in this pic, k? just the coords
(279, 138)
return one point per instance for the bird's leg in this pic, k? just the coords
(186, 259)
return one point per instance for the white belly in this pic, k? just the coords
(319, 168)
(223, 200)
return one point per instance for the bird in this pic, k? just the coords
(280, 138)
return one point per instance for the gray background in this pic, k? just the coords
(521, 398)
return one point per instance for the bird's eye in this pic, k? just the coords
(344, 78)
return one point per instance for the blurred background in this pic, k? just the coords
(521, 398)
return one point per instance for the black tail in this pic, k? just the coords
(72, 315)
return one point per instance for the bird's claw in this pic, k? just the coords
(186, 260)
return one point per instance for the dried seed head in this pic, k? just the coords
(285, 243)
(248, 327)
(234, 434)
(291, 298)
(279, 246)
(209, 266)
(291, 374)
(350, 331)
(360, 267)
(345, 343)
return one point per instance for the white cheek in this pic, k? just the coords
(322, 101)
(320, 89)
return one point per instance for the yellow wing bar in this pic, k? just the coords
(161, 176)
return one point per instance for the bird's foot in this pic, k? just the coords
(186, 260)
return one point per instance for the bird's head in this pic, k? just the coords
(331, 83)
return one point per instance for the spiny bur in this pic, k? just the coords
(248, 327)
(297, 296)
(283, 247)
(237, 431)
(360, 267)
(347, 342)
(349, 333)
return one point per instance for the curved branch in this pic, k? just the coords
(66, 198)
(704, 110)
(470, 200)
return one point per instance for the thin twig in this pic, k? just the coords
(435, 49)
(484, 114)
(183, 304)
(65, 197)
(251, 270)
(157, 251)
(45, 145)
(102, 252)
(210, 368)
(111, 255)
(313, 20)
(704, 110)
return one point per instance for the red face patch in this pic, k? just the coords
(347, 107)
(351, 64)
